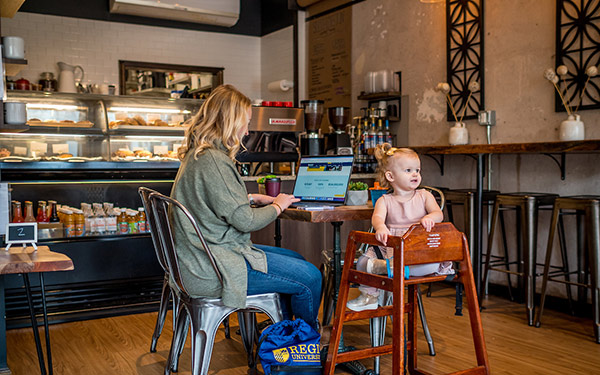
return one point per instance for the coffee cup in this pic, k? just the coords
(15, 113)
(273, 186)
(14, 47)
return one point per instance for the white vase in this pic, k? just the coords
(459, 135)
(357, 197)
(572, 129)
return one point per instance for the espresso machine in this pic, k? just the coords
(338, 142)
(311, 143)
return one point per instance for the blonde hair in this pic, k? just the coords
(219, 120)
(384, 153)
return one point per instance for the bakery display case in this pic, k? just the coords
(87, 128)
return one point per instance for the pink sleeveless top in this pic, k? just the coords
(401, 215)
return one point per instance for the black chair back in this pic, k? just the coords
(145, 195)
(162, 208)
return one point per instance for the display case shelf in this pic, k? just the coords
(14, 66)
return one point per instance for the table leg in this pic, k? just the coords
(46, 330)
(353, 367)
(278, 232)
(476, 251)
(36, 334)
(3, 365)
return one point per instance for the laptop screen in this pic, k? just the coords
(323, 178)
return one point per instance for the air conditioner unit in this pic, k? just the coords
(211, 12)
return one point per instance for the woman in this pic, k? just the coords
(209, 185)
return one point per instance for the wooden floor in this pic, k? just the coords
(563, 345)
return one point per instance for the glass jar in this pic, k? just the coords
(48, 82)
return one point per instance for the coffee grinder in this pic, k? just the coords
(338, 142)
(311, 143)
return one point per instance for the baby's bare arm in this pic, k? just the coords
(378, 221)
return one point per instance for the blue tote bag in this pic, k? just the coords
(290, 346)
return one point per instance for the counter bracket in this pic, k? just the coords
(439, 162)
(561, 164)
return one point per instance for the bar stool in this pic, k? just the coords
(588, 208)
(527, 206)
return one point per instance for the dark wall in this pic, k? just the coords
(257, 17)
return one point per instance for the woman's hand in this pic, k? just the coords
(283, 201)
(382, 234)
(262, 200)
(427, 223)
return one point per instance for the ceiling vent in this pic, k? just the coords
(211, 12)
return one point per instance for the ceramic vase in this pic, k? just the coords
(357, 197)
(572, 129)
(459, 135)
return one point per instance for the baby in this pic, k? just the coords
(400, 170)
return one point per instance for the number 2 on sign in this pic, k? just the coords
(20, 232)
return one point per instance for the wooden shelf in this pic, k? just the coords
(387, 95)
(8, 8)
(14, 66)
(10, 128)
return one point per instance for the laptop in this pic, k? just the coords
(322, 181)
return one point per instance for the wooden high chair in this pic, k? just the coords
(443, 243)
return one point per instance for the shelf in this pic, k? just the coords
(8, 8)
(14, 66)
(179, 81)
(13, 128)
(388, 95)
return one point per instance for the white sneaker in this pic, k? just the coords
(363, 302)
(377, 266)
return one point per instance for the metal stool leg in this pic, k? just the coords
(424, 323)
(593, 229)
(488, 257)
(530, 217)
(36, 334)
(506, 258)
(565, 261)
(553, 224)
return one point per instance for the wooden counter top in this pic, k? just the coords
(19, 260)
(342, 213)
(513, 148)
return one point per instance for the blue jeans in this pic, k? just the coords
(297, 280)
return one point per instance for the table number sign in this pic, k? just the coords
(23, 233)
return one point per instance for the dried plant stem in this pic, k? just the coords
(451, 107)
(562, 98)
(581, 95)
(466, 105)
(567, 94)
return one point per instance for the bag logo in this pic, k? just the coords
(281, 355)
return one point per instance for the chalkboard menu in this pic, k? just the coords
(329, 59)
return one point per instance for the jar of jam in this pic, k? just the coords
(48, 82)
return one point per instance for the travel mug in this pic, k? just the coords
(273, 186)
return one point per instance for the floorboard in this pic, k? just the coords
(120, 345)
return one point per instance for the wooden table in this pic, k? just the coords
(26, 261)
(479, 151)
(336, 217)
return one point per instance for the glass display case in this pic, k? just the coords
(84, 127)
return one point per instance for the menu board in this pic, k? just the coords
(329, 59)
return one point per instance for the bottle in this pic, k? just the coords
(87, 215)
(122, 221)
(142, 223)
(41, 216)
(69, 223)
(132, 223)
(53, 214)
(380, 136)
(29, 218)
(79, 221)
(387, 134)
(372, 136)
(17, 214)
(111, 219)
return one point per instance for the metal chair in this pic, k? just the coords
(205, 313)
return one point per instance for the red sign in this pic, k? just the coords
(282, 121)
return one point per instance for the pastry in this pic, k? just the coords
(142, 154)
(35, 119)
(68, 122)
(4, 152)
(140, 120)
(131, 121)
(65, 155)
(123, 153)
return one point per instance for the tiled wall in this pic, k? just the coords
(277, 63)
(98, 46)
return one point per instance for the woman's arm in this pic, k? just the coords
(378, 221)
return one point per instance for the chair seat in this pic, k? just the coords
(542, 199)
(486, 196)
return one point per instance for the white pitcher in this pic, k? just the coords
(572, 129)
(459, 135)
(66, 77)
